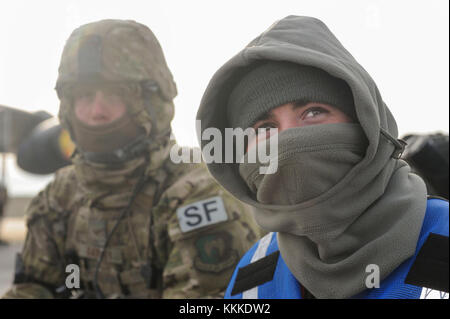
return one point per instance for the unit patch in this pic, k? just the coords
(215, 253)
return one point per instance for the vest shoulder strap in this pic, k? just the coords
(256, 273)
(431, 267)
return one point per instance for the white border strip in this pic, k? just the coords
(428, 293)
(259, 253)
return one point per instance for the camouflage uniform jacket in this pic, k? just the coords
(181, 243)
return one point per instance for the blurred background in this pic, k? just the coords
(403, 44)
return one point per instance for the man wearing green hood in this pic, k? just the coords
(124, 221)
(347, 218)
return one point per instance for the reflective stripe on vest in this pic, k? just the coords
(259, 253)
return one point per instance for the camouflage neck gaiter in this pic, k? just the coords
(117, 181)
(143, 136)
(328, 241)
(107, 137)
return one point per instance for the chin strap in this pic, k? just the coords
(130, 151)
(136, 148)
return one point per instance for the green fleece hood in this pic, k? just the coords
(371, 214)
(306, 41)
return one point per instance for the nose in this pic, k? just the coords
(289, 123)
(99, 105)
(286, 119)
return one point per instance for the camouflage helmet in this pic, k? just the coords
(123, 52)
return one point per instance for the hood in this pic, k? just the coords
(305, 41)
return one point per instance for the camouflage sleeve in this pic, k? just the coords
(39, 267)
(208, 232)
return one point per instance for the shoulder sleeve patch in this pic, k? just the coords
(201, 214)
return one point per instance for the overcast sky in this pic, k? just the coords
(403, 45)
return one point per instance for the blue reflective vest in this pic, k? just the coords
(284, 285)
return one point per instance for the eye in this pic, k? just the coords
(108, 92)
(313, 112)
(84, 95)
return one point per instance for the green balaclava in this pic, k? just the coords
(272, 84)
(341, 198)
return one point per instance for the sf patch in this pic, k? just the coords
(215, 253)
(202, 213)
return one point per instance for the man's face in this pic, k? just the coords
(292, 115)
(98, 106)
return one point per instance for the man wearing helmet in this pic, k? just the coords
(132, 222)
